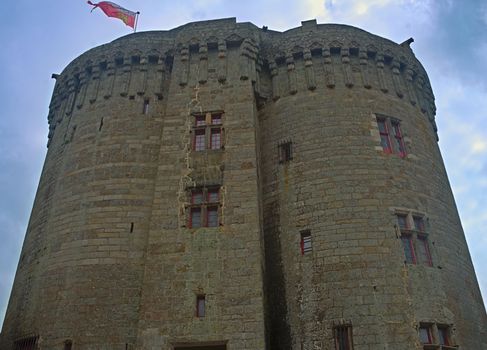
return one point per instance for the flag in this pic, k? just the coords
(114, 10)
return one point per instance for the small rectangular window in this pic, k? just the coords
(204, 207)
(200, 306)
(423, 249)
(444, 335)
(425, 334)
(215, 139)
(213, 196)
(145, 109)
(384, 135)
(197, 197)
(195, 217)
(216, 119)
(200, 120)
(402, 221)
(29, 343)
(343, 337)
(199, 140)
(418, 223)
(407, 243)
(285, 152)
(306, 244)
(68, 345)
(212, 216)
(399, 141)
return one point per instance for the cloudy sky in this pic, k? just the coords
(42, 37)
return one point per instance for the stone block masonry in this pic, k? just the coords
(220, 186)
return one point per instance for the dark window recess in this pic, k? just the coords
(305, 244)
(285, 152)
(200, 306)
(68, 345)
(343, 337)
(131, 227)
(29, 343)
(145, 108)
(101, 124)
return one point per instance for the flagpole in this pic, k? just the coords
(136, 20)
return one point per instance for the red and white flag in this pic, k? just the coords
(113, 10)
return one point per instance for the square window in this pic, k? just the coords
(402, 221)
(200, 306)
(425, 334)
(203, 207)
(306, 244)
(343, 337)
(196, 197)
(418, 223)
(199, 140)
(216, 119)
(285, 152)
(200, 120)
(213, 196)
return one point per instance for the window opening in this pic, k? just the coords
(208, 132)
(305, 244)
(68, 345)
(199, 140)
(384, 136)
(418, 223)
(391, 137)
(425, 334)
(343, 337)
(399, 141)
(131, 227)
(200, 306)
(145, 109)
(444, 335)
(195, 217)
(29, 343)
(424, 250)
(285, 152)
(407, 243)
(414, 241)
(101, 124)
(215, 139)
(204, 207)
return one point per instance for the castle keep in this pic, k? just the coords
(224, 187)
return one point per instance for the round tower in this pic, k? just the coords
(220, 186)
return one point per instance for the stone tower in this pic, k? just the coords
(220, 186)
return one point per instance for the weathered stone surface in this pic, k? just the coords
(110, 262)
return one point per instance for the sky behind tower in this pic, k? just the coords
(42, 37)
